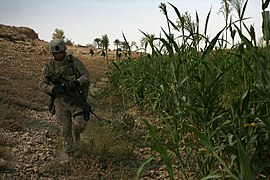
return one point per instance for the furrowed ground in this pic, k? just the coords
(30, 146)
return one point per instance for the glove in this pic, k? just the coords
(73, 84)
(57, 90)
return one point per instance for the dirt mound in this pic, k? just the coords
(13, 33)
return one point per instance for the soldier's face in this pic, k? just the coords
(59, 56)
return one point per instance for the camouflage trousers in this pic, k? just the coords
(71, 128)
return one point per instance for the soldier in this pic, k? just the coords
(91, 52)
(103, 54)
(70, 117)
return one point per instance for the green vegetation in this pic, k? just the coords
(211, 103)
(60, 34)
(206, 100)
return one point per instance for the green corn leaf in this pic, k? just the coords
(160, 148)
(197, 22)
(244, 162)
(167, 45)
(152, 131)
(213, 175)
(116, 66)
(232, 161)
(244, 9)
(126, 42)
(206, 22)
(201, 136)
(176, 11)
(165, 157)
(230, 138)
(253, 138)
(220, 127)
(143, 33)
(252, 33)
(245, 101)
(175, 45)
(174, 26)
(207, 68)
(265, 4)
(255, 54)
(145, 162)
(212, 44)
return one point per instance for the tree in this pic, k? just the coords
(151, 38)
(58, 34)
(69, 42)
(116, 42)
(133, 43)
(144, 43)
(261, 42)
(125, 45)
(97, 42)
(148, 40)
(105, 43)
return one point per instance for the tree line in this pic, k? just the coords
(104, 42)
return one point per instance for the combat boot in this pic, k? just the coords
(69, 145)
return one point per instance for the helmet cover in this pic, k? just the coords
(57, 45)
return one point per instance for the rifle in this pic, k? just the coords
(72, 96)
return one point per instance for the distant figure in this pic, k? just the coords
(118, 53)
(103, 54)
(91, 52)
(119, 56)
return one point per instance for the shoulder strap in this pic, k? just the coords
(71, 66)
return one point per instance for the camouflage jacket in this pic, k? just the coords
(72, 69)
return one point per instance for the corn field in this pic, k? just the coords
(210, 97)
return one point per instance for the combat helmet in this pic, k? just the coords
(57, 45)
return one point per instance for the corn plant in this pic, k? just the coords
(217, 96)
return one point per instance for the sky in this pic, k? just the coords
(84, 20)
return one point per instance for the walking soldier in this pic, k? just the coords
(69, 115)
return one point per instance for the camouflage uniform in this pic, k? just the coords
(70, 68)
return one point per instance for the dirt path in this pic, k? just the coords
(30, 145)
